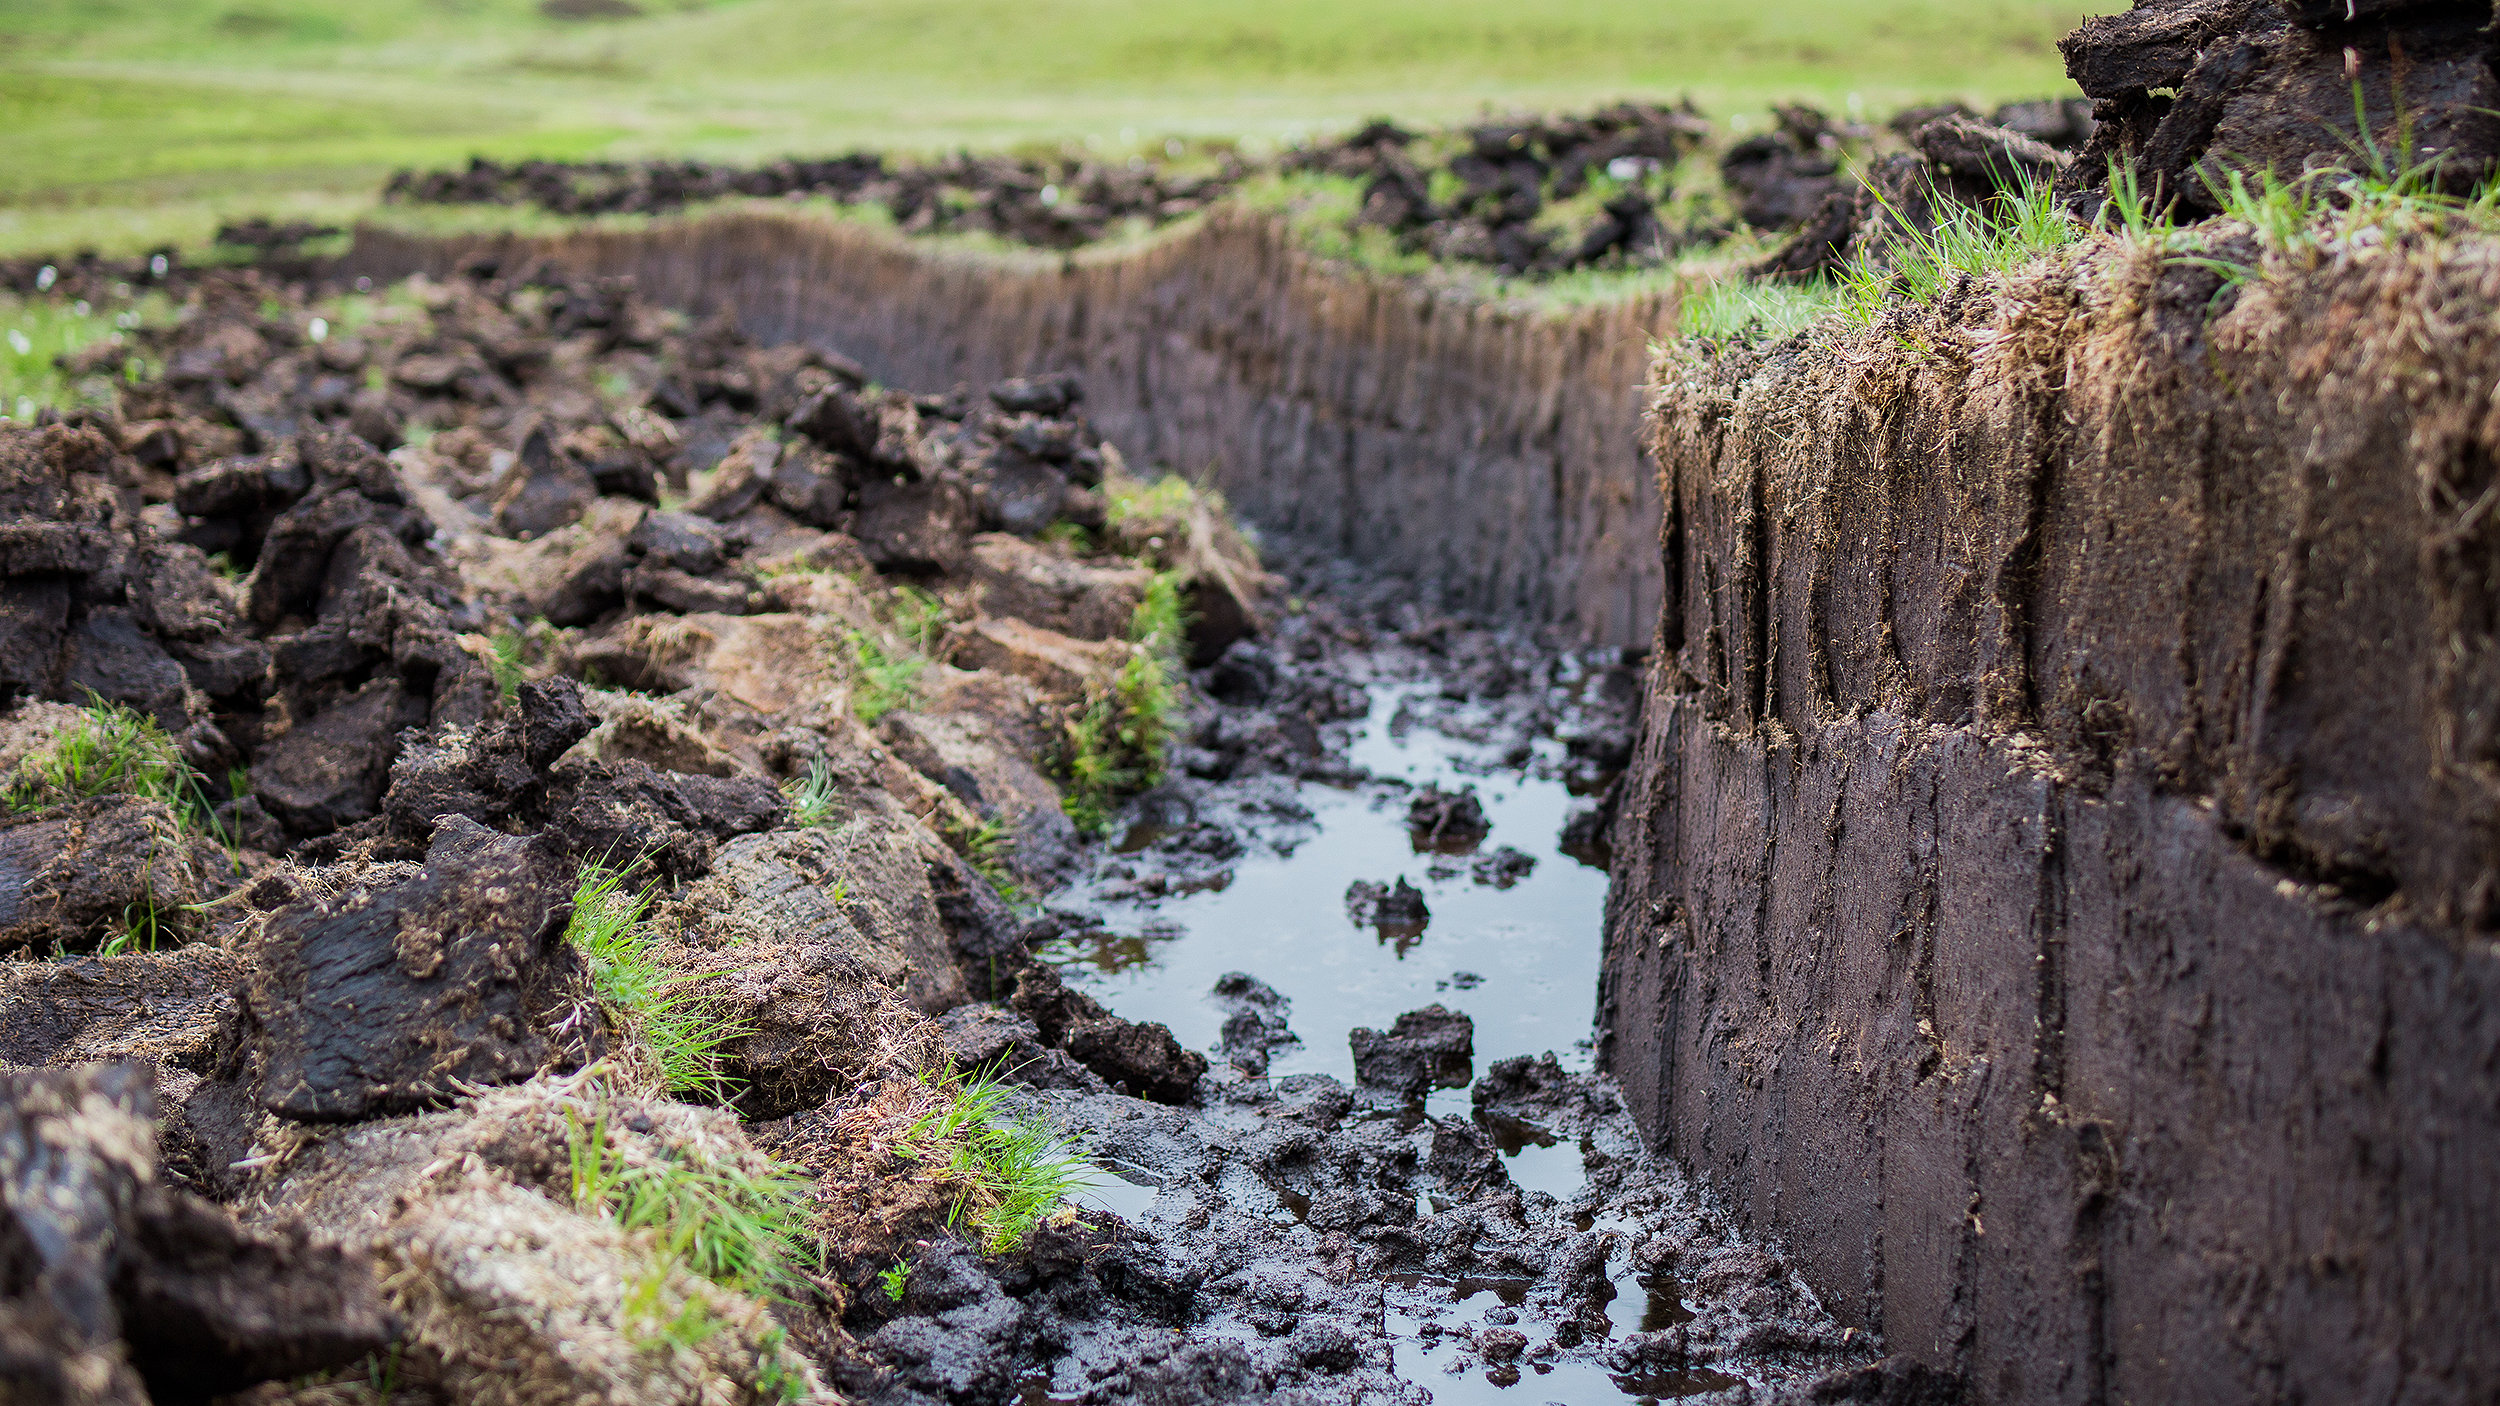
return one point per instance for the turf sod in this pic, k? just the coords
(132, 124)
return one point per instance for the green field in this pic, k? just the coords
(131, 123)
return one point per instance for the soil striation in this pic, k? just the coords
(2056, 885)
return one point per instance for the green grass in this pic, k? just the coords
(1736, 310)
(1115, 747)
(812, 796)
(984, 847)
(741, 1230)
(112, 750)
(884, 678)
(1011, 1174)
(508, 663)
(886, 663)
(2012, 230)
(36, 331)
(2381, 192)
(1131, 501)
(137, 124)
(661, 1009)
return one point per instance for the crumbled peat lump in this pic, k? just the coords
(2187, 93)
(518, 916)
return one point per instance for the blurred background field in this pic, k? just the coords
(132, 123)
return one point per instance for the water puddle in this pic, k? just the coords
(1517, 951)
(1520, 959)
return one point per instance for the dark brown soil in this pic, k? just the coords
(2188, 92)
(2057, 894)
(118, 1289)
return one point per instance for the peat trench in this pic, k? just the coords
(332, 1075)
(1381, 907)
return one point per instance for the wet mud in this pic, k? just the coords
(1399, 1174)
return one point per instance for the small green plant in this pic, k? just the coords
(1010, 1175)
(811, 796)
(661, 1008)
(739, 1229)
(919, 617)
(144, 927)
(2131, 206)
(774, 1379)
(1739, 310)
(109, 750)
(892, 1279)
(382, 1371)
(1115, 746)
(886, 665)
(1070, 537)
(36, 332)
(114, 750)
(648, 1321)
(506, 663)
(883, 679)
(1130, 500)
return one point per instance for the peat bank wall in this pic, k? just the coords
(1492, 455)
(2058, 882)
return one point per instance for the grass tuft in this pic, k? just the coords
(115, 750)
(1116, 745)
(1745, 311)
(739, 1229)
(1011, 1175)
(984, 847)
(506, 663)
(883, 678)
(886, 664)
(646, 1000)
(811, 796)
(2010, 230)
(110, 750)
(1164, 503)
(36, 332)
(1070, 537)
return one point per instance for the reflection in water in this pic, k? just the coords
(1512, 939)
(1521, 960)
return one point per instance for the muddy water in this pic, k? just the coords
(1520, 960)
(1520, 957)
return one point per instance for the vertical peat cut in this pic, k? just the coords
(1490, 454)
(2098, 984)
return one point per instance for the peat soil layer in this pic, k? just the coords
(2067, 799)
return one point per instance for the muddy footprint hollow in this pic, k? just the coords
(1194, 781)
